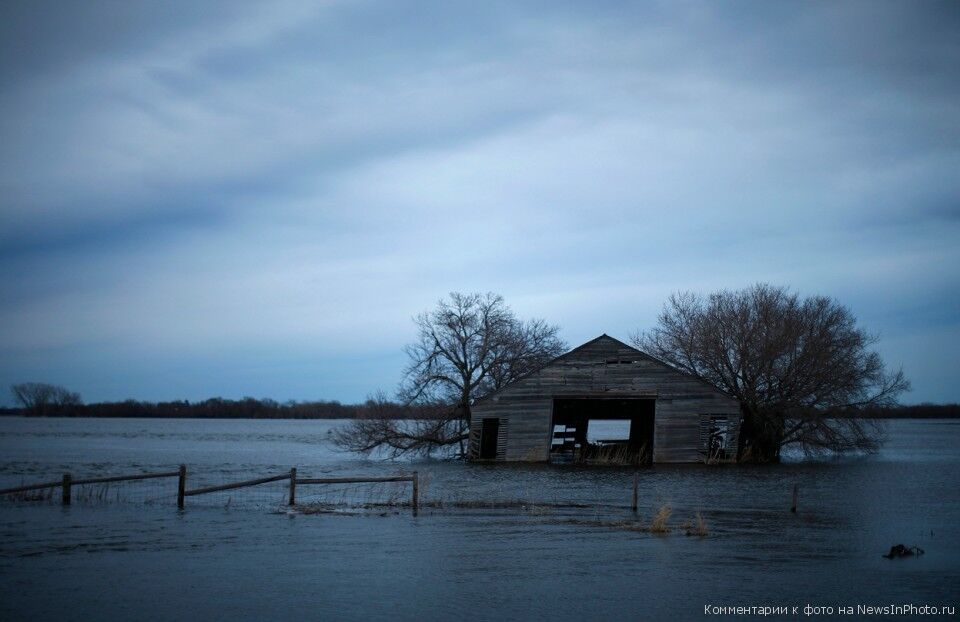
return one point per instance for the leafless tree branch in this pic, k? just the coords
(467, 347)
(799, 367)
(42, 399)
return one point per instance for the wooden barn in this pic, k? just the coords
(654, 412)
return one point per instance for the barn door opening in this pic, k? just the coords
(489, 432)
(603, 430)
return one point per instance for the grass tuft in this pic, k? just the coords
(698, 527)
(659, 522)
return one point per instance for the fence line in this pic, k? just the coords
(31, 487)
(356, 480)
(124, 478)
(231, 486)
(67, 482)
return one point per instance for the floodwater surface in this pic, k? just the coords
(490, 542)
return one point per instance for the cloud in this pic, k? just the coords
(282, 187)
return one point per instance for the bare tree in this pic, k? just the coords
(40, 398)
(801, 368)
(469, 346)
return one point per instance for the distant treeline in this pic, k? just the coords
(219, 408)
(916, 411)
(251, 408)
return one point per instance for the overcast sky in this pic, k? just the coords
(232, 199)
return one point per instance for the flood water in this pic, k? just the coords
(473, 551)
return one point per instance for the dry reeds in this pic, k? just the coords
(44, 494)
(610, 455)
(659, 522)
(619, 454)
(697, 527)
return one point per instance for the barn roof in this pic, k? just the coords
(585, 345)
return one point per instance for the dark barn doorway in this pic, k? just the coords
(571, 423)
(489, 431)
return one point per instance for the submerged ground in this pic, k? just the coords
(127, 553)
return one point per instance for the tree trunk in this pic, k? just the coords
(760, 437)
(464, 424)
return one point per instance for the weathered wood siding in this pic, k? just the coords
(525, 407)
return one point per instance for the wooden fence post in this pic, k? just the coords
(181, 485)
(293, 486)
(793, 506)
(416, 491)
(66, 488)
(636, 485)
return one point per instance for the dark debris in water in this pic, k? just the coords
(899, 550)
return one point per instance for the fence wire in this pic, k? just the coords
(154, 491)
(597, 496)
(268, 496)
(354, 496)
(157, 491)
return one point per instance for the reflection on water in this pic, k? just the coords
(562, 557)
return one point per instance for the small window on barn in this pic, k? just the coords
(612, 361)
(716, 438)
